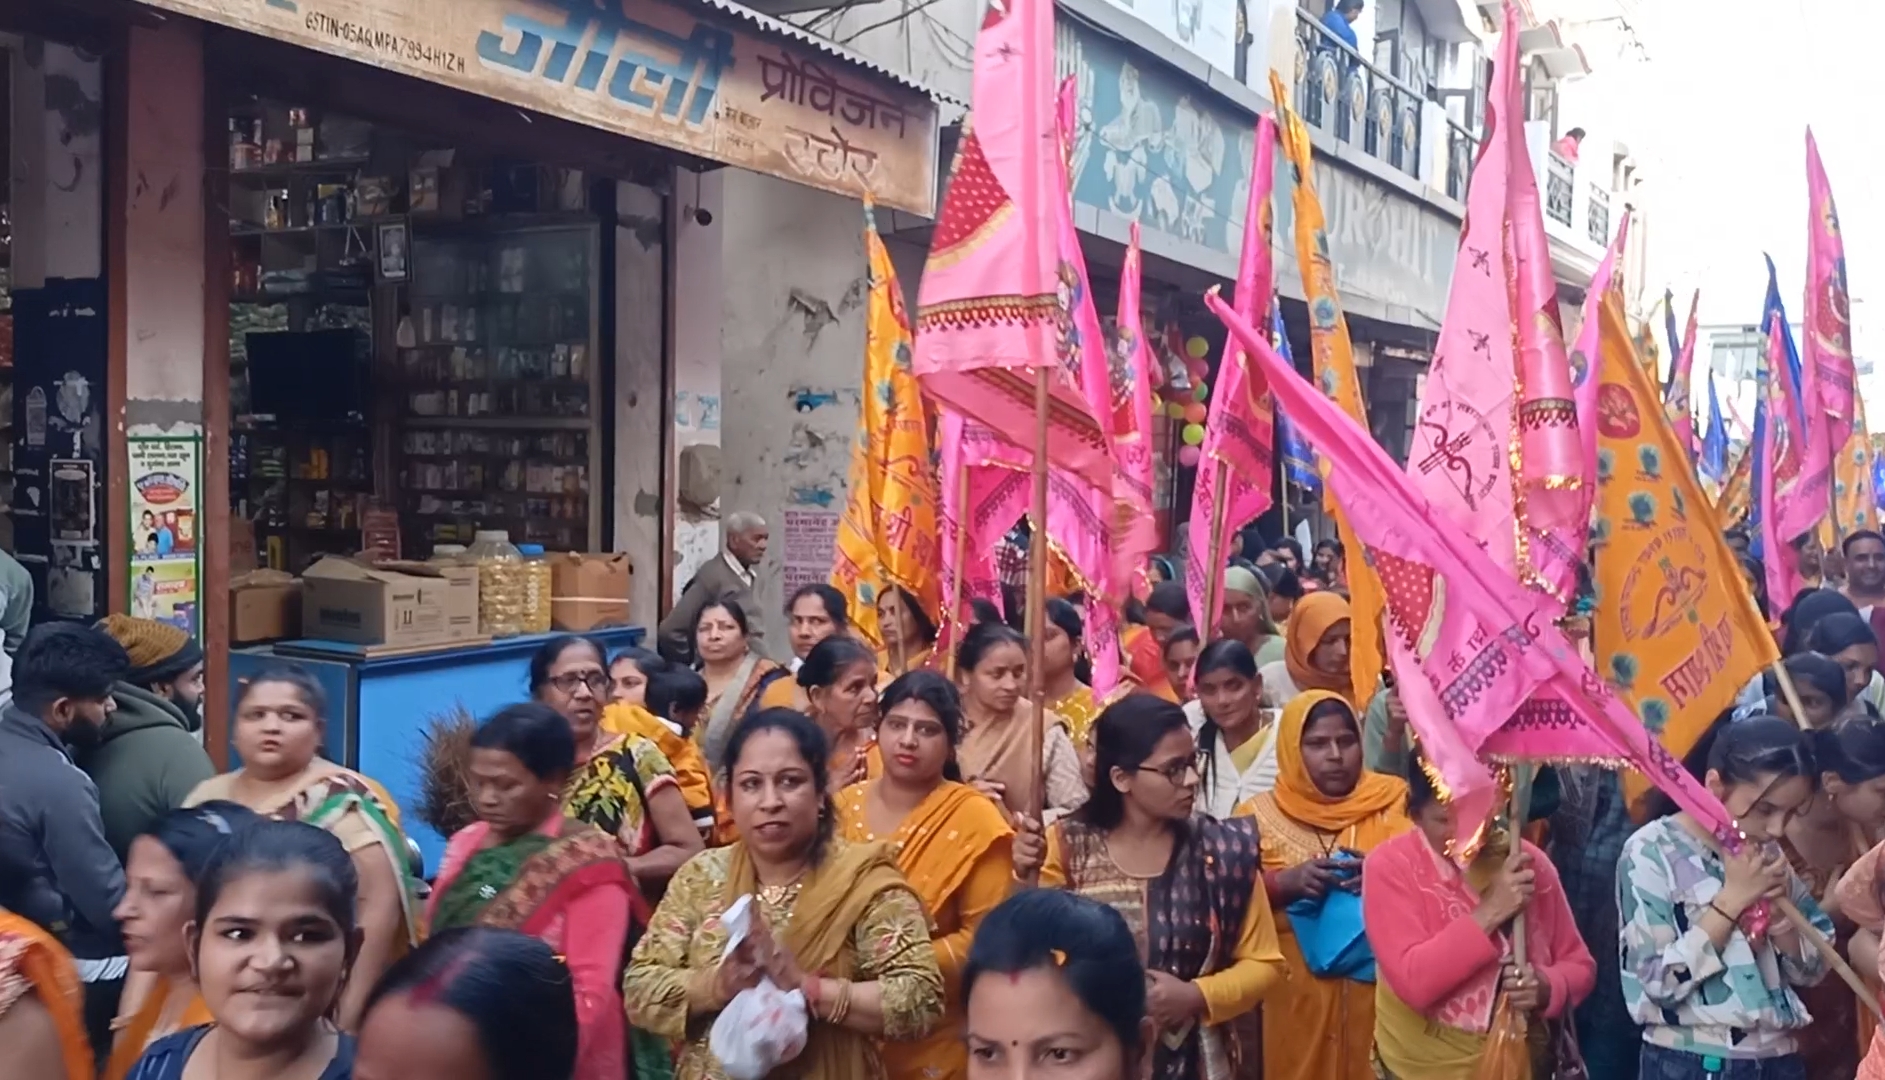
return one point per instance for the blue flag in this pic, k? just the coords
(1299, 461)
(1714, 461)
(1675, 339)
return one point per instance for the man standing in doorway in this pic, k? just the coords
(56, 867)
(726, 575)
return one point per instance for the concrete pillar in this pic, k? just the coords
(792, 346)
(699, 308)
(163, 231)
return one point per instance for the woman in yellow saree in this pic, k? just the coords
(909, 633)
(1324, 804)
(953, 844)
(836, 920)
(42, 1012)
(1067, 692)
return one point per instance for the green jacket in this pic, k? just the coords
(146, 764)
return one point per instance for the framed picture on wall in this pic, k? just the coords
(393, 263)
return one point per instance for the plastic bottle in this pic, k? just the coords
(448, 555)
(538, 592)
(503, 583)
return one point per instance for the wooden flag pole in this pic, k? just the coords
(1214, 555)
(1522, 776)
(1037, 601)
(1786, 906)
(954, 614)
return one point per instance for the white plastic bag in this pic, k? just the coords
(762, 1027)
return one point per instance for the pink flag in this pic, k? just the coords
(1135, 523)
(1585, 359)
(983, 494)
(1236, 462)
(1497, 445)
(1676, 401)
(1790, 505)
(1478, 660)
(1828, 311)
(988, 311)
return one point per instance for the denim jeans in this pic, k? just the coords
(1658, 1063)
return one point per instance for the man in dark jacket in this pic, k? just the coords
(150, 756)
(60, 872)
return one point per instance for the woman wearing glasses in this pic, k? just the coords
(1187, 884)
(622, 784)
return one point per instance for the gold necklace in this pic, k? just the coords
(778, 895)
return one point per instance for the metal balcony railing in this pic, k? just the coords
(1342, 94)
(1559, 191)
(1462, 149)
(1597, 218)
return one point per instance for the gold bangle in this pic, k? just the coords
(843, 1007)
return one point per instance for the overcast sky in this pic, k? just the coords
(1721, 109)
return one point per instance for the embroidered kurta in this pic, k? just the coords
(685, 941)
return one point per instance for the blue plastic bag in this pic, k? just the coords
(1330, 934)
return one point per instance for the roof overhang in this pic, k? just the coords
(1562, 59)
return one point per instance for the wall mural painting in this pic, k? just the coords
(1151, 147)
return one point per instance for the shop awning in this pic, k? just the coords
(706, 77)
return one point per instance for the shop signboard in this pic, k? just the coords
(165, 485)
(644, 68)
(1154, 145)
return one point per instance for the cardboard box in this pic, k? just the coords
(389, 603)
(242, 549)
(589, 591)
(264, 606)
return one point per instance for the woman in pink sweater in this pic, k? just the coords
(1442, 941)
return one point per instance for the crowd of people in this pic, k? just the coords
(1232, 865)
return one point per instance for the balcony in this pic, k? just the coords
(1341, 94)
(1577, 204)
(1462, 149)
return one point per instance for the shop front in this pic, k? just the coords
(436, 314)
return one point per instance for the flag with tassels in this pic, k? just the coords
(1081, 513)
(1713, 461)
(887, 536)
(1677, 635)
(988, 309)
(1473, 646)
(1827, 317)
(1855, 504)
(1135, 520)
(1585, 355)
(1333, 361)
(1676, 391)
(1236, 462)
(1496, 443)
(1794, 480)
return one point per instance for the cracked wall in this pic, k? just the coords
(792, 356)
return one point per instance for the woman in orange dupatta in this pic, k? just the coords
(42, 1006)
(736, 676)
(1324, 803)
(953, 844)
(160, 874)
(909, 633)
(1315, 652)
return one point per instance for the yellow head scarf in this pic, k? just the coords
(1311, 618)
(1296, 793)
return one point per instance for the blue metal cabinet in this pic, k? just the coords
(378, 709)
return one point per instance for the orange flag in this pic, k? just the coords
(888, 533)
(1335, 375)
(1677, 634)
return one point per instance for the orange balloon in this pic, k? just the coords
(1195, 412)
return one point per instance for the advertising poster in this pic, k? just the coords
(166, 558)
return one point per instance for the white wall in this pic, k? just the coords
(697, 316)
(640, 271)
(58, 164)
(794, 288)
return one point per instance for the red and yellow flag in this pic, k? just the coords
(1855, 505)
(888, 533)
(1335, 375)
(1737, 494)
(1677, 634)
